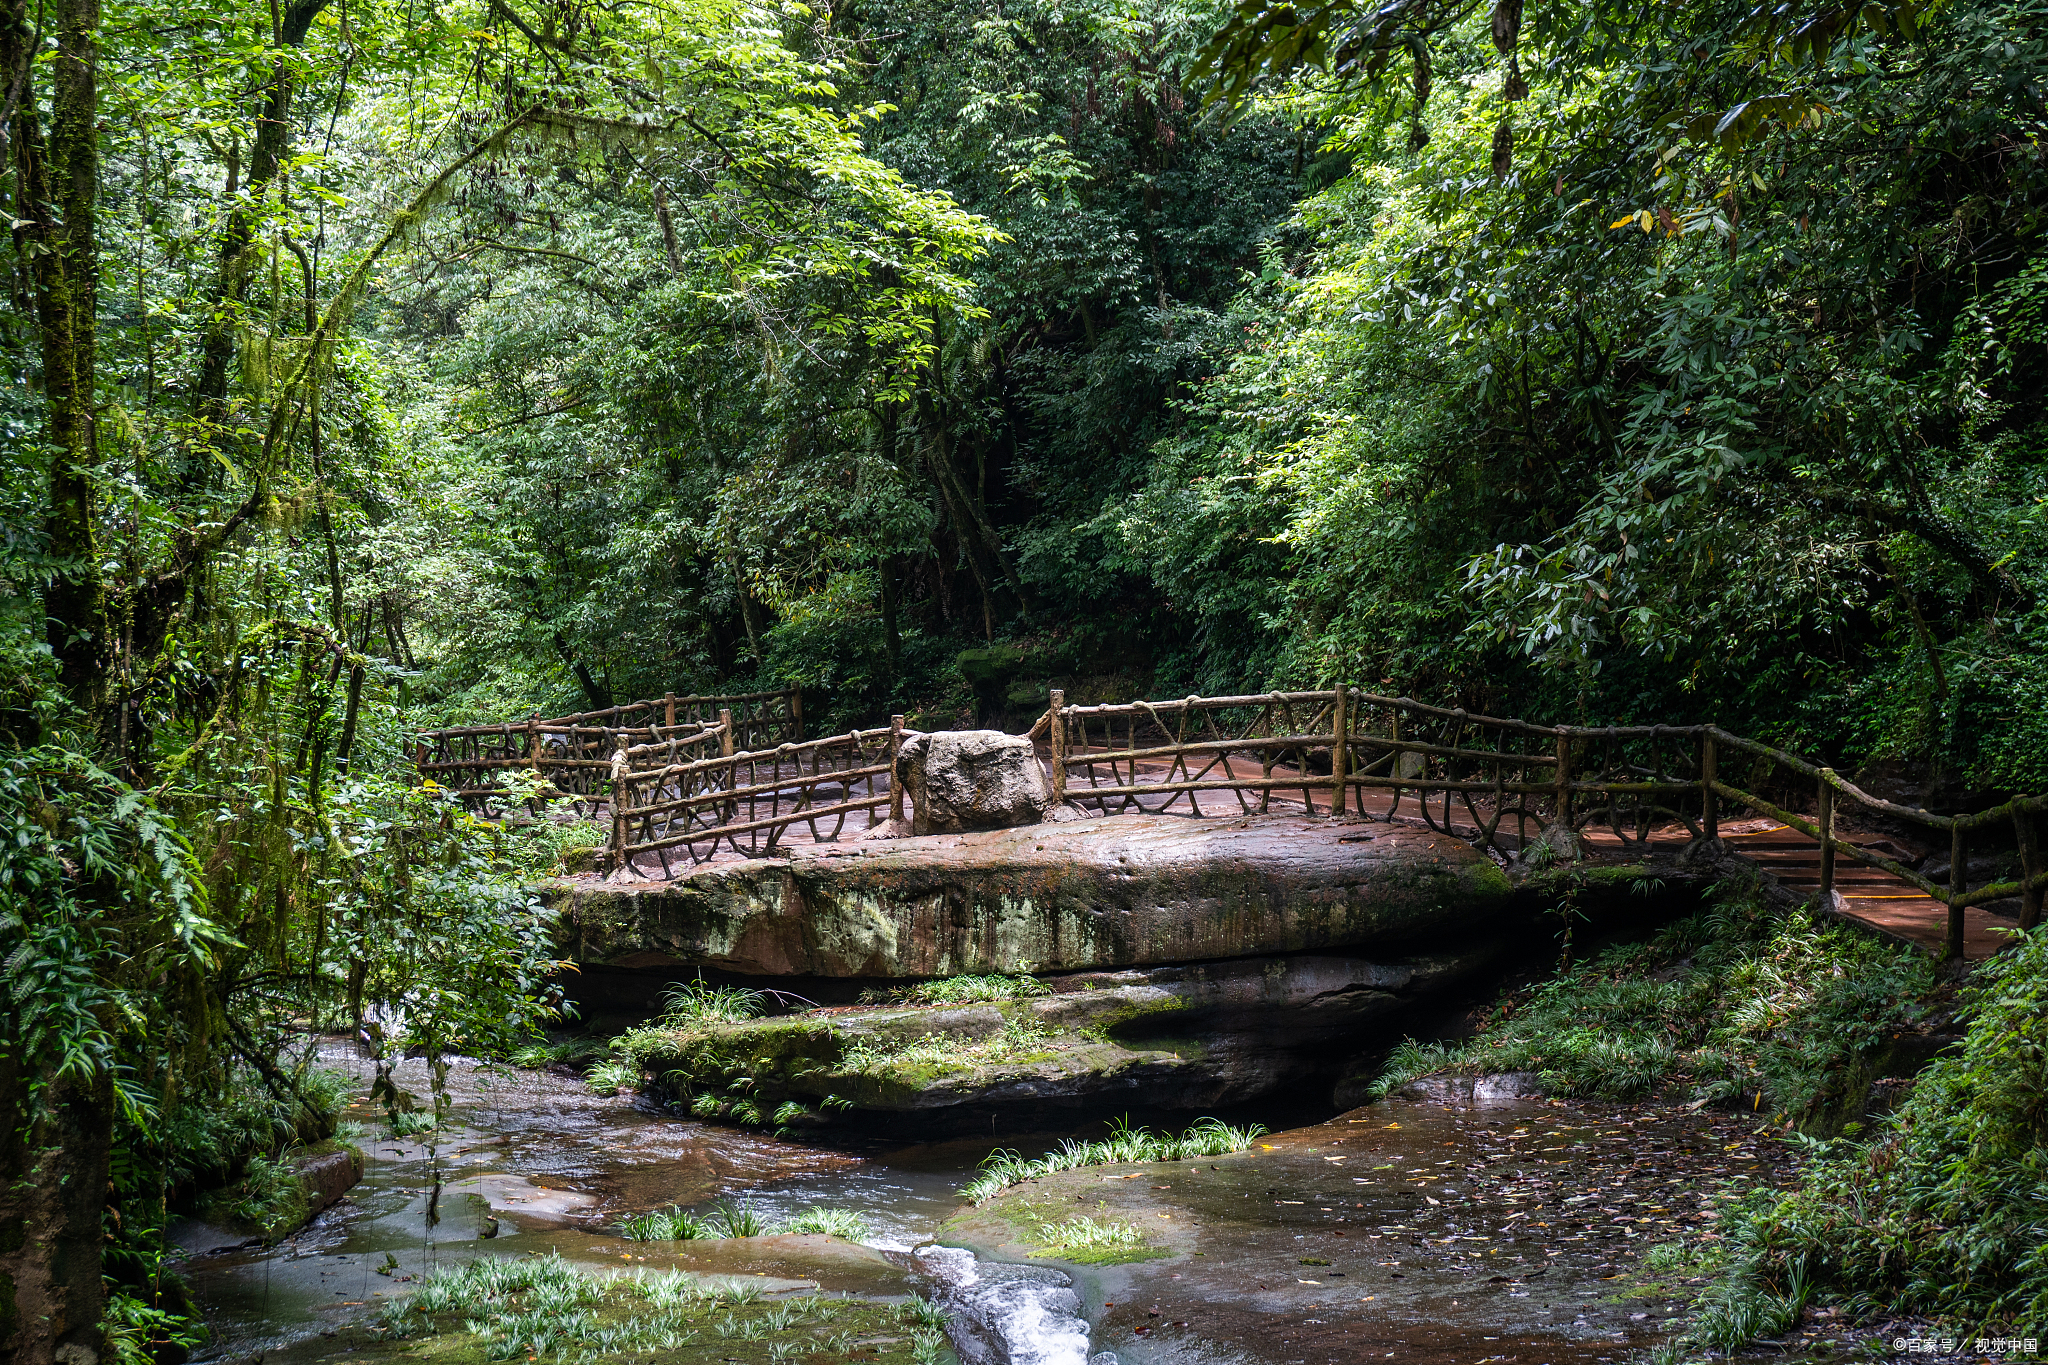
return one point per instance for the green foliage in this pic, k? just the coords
(697, 1003)
(940, 1053)
(610, 1077)
(1733, 1001)
(675, 1224)
(739, 1220)
(1940, 1213)
(1085, 1240)
(142, 1333)
(960, 990)
(1204, 1137)
(542, 1308)
(842, 1223)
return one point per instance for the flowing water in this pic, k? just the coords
(1413, 1232)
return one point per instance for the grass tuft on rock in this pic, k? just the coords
(960, 990)
(1205, 1137)
(1085, 1240)
(844, 1224)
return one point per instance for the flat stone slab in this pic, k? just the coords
(1126, 891)
(1186, 1037)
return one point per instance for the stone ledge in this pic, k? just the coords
(1129, 891)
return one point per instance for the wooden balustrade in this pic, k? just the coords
(1498, 783)
(746, 801)
(575, 752)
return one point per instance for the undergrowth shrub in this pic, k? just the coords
(1944, 1212)
(1736, 1000)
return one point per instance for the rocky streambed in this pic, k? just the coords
(1408, 1230)
(1405, 1230)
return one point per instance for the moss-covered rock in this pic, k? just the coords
(1189, 1037)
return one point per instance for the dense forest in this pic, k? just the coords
(374, 366)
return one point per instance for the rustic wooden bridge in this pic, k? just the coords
(688, 779)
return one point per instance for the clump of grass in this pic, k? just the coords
(927, 1330)
(740, 1221)
(609, 1078)
(939, 1052)
(1205, 1137)
(960, 990)
(412, 1122)
(677, 1224)
(493, 1282)
(673, 1224)
(697, 1003)
(1084, 1238)
(841, 1223)
(541, 1308)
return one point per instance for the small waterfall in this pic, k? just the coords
(1010, 1314)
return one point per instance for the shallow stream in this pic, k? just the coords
(1407, 1231)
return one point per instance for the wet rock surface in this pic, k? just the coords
(1406, 1230)
(1127, 891)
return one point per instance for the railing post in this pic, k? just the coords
(731, 809)
(668, 703)
(533, 739)
(1056, 729)
(620, 765)
(1710, 800)
(1827, 839)
(1958, 885)
(1340, 734)
(1564, 778)
(796, 713)
(895, 782)
(2027, 835)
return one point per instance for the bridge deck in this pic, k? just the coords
(1874, 897)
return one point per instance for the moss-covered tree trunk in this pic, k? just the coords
(56, 1130)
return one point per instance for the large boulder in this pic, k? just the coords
(1129, 891)
(965, 780)
(1184, 1037)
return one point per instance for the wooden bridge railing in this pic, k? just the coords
(1832, 792)
(575, 752)
(1495, 782)
(748, 800)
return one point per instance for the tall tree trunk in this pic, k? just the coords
(596, 693)
(273, 140)
(57, 191)
(977, 535)
(56, 1150)
(54, 1160)
(892, 637)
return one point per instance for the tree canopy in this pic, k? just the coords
(373, 366)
